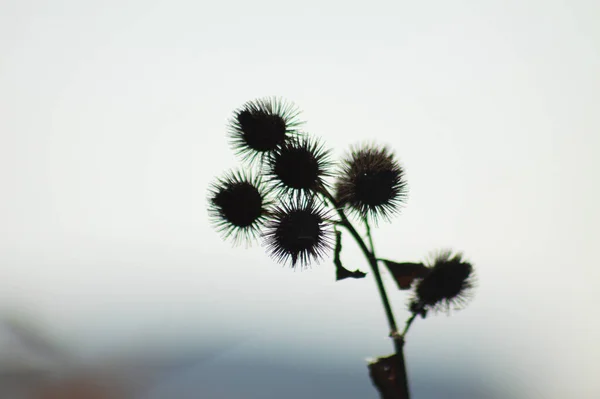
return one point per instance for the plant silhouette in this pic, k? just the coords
(282, 195)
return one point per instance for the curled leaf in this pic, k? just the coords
(343, 273)
(340, 271)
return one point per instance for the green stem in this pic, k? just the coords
(371, 258)
(397, 338)
(366, 221)
(409, 323)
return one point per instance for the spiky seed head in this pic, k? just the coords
(299, 231)
(299, 166)
(238, 206)
(448, 285)
(371, 182)
(261, 126)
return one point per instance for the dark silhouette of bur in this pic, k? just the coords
(371, 182)
(238, 206)
(297, 226)
(447, 285)
(261, 126)
(298, 231)
(301, 165)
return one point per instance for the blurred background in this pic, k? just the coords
(112, 125)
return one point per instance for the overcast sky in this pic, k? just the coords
(112, 125)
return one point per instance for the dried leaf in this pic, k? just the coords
(340, 271)
(406, 273)
(388, 377)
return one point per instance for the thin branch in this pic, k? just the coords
(366, 221)
(409, 323)
(398, 339)
(371, 258)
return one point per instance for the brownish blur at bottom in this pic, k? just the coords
(384, 374)
(79, 388)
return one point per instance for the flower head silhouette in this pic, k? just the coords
(299, 231)
(261, 126)
(238, 206)
(299, 166)
(448, 285)
(371, 182)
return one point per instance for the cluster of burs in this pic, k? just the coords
(289, 194)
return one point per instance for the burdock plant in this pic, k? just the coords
(285, 198)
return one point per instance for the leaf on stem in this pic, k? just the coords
(406, 273)
(388, 377)
(340, 271)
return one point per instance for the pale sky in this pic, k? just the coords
(112, 124)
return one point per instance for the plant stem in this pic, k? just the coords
(397, 338)
(409, 323)
(371, 258)
(366, 221)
